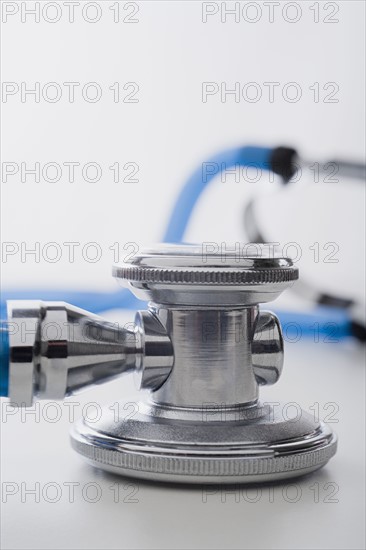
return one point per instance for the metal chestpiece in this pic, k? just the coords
(202, 350)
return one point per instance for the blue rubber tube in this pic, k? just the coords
(323, 324)
(258, 157)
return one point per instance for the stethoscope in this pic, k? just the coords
(199, 418)
(338, 311)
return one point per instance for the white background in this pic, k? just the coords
(169, 53)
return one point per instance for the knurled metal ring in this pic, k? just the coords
(111, 454)
(206, 276)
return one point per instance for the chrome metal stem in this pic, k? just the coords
(212, 357)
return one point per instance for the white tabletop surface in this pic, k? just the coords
(324, 510)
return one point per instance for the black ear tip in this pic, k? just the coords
(358, 331)
(283, 162)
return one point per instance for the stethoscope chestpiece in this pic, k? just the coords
(202, 350)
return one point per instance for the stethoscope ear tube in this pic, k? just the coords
(356, 328)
